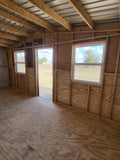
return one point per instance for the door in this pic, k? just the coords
(45, 72)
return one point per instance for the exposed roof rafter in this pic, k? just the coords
(6, 41)
(26, 14)
(78, 6)
(45, 8)
(7, 36)
(14, 30)
(19, 21)
(4, 45)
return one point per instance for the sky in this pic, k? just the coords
(81, 50)
(20, 56)
(47, 53)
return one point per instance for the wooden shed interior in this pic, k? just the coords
(81, 121)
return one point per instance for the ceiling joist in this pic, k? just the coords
(78, 6)
(14, 30)
(49, 11)
(26, 14)
(4, 45)
(19, 21)
(7, 36)
(6, 41)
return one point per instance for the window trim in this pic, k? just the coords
(99, 64)
(15, 63)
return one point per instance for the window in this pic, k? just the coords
(88, 62)
(20, 61)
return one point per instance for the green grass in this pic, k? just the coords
(87, 73)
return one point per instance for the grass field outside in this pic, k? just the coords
(87, 73)
(45, 80)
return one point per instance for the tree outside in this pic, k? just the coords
(42, 60)
(90, 57)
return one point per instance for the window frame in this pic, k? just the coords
(15, 61)
(87, 44)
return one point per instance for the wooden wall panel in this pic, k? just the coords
(107, 95)
(4, 77)
(29, 57)
(119, 67)
(21, 81)
(64, 56)
(50, 39)
(64, 51)
(10, 58)
(78, 36)
(64, 37)
(82, 96)
(4, 80)
(31, 81)
(94, 100)
(10, 77)
(63, 86)
(116, 102)
(112, 54)
(79, 95)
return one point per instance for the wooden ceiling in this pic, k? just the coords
(21, 18)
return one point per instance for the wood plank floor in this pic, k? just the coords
(32, 128)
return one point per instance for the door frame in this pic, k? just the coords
(37, 69)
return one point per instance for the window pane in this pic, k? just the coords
(20, 57)
(20, 68)
(87, 73)
(89, 54)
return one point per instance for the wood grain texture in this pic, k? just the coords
(79, 7)
(107, 94)
(64, 56)
(79, 95)
(63, 86)
(64, 52)
(52, 13)
(62, 62)
(94, 100)
(116, 104)
(50, 38)
(20, 81)
(35, 129)
(31, 81)
(4, 80)
(20, 21)
(112, 54)
(26, 14)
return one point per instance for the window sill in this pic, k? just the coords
(20, 73)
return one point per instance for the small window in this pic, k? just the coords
(88, 62)
(20, 62)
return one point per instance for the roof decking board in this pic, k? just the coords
(67, 11)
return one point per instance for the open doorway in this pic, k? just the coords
(45, 72)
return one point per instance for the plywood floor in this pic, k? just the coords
(34, 129)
